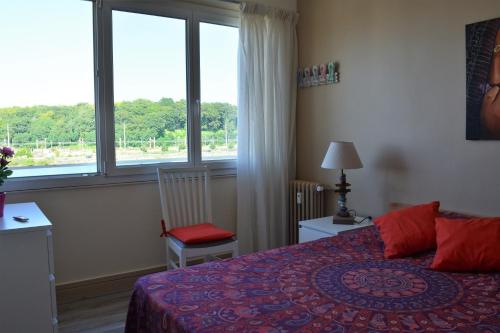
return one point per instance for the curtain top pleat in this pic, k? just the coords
(251, 8)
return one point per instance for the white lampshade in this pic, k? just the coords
(341, 155)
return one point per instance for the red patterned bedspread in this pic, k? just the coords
(338, 284)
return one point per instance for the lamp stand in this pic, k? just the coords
(343, 216)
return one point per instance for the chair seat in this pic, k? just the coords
(200, 233)
(203, 245)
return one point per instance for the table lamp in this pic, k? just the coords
(342, 155)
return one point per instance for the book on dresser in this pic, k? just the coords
(27, 280)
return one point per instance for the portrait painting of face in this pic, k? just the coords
(483, 80)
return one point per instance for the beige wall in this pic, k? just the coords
(113, 229)
(401, 100)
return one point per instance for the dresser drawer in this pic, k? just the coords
(25, 286)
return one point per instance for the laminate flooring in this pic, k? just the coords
(104, 314)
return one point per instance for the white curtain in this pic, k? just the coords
(266, 124)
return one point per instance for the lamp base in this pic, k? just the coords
(342, 189)
(349, 220)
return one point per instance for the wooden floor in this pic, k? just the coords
(105, 314)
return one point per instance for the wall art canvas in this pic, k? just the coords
(483, 80)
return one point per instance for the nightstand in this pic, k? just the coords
(310, 230)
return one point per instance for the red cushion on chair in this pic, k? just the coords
(409, 230)
(200, 233)
(467, 245)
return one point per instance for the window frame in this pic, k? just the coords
(108, 172)
(110, 167)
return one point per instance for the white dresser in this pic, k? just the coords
(27, 282)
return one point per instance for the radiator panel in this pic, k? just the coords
(306, 201)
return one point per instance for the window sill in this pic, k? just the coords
(29, 184)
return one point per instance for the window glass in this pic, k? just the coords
(218, 81)
(149, 73)
(47, 111)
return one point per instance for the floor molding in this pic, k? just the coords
(101, 286)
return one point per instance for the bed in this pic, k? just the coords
(338, 284)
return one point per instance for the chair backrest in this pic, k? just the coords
(185, 196)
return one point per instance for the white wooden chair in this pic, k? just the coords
(186, 201)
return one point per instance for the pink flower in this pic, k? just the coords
(7, 151)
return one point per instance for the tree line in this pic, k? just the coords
(135, 121)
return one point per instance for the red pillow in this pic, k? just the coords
(409, 230)
(200, 233)
(467, 245)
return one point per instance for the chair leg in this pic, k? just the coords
(182, 260)
(167, 252)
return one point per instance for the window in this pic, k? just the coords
(218, 68)
(149, 60)
(126, 86)
(47, 110)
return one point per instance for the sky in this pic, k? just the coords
(46, 55)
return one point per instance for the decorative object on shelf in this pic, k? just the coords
(342, 155)
(6, 153)
(482, 43)
(322, 74)
(315, 76)
(318, 75)
(306, 80)
(333, 73)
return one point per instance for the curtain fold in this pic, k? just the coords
(267, 91)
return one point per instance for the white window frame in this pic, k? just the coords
(107, 171)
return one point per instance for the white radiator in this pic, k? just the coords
(306, 202)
